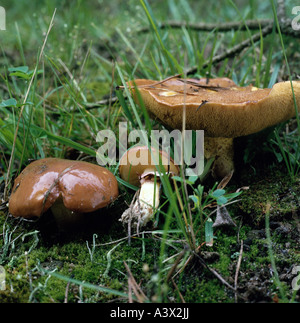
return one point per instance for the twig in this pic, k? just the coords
(53, 185)
(141, 297)
(285, 24)
(237, 271)
(152, 85)
(234, 50)
(130, 291)
(180, 295)
(214, 272)
(227, 26)
(67, 293)
(98, 104)
(177, 261)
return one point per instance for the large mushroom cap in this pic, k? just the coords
(219, 107)
(140, 160)
(82, 186)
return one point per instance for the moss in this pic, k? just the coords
(78, 259)
(275, 188)
(77, 255)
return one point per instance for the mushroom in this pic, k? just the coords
(140, 166)
(67, 187)
(219, 107)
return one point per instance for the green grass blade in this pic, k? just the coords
(85, 284)
(65, 141)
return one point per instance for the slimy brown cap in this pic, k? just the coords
(83, 187)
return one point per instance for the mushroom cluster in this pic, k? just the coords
(140, 166)
(219, 107)
(71, 188)
(68, 187)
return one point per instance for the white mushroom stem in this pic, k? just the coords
(141, 212)
(149, 195)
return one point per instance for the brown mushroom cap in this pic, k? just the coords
(132, 172)
(220, 108)
(83, 187)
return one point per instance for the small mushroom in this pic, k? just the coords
(68, 187)
(140, 166)
(219, 107)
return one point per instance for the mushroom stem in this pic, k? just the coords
(222, 150)
(141, 212)
(63, 216)
(138, 168)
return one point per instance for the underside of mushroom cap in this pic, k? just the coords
(219, 107)
(83, 187)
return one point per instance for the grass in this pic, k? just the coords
(48, 84)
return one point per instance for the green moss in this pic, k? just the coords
(203, 291)
(276, 188)
(78, 256)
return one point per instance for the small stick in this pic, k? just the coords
(153, 84)
(177, 261)
(285, 25)
(202, 262)
(227, 26)
(234, 50)
(67, 293)
(176, 287)
(141, 297)
(95, 105)
(237, 271)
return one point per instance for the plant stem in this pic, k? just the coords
(23, 106)
(271, 255)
